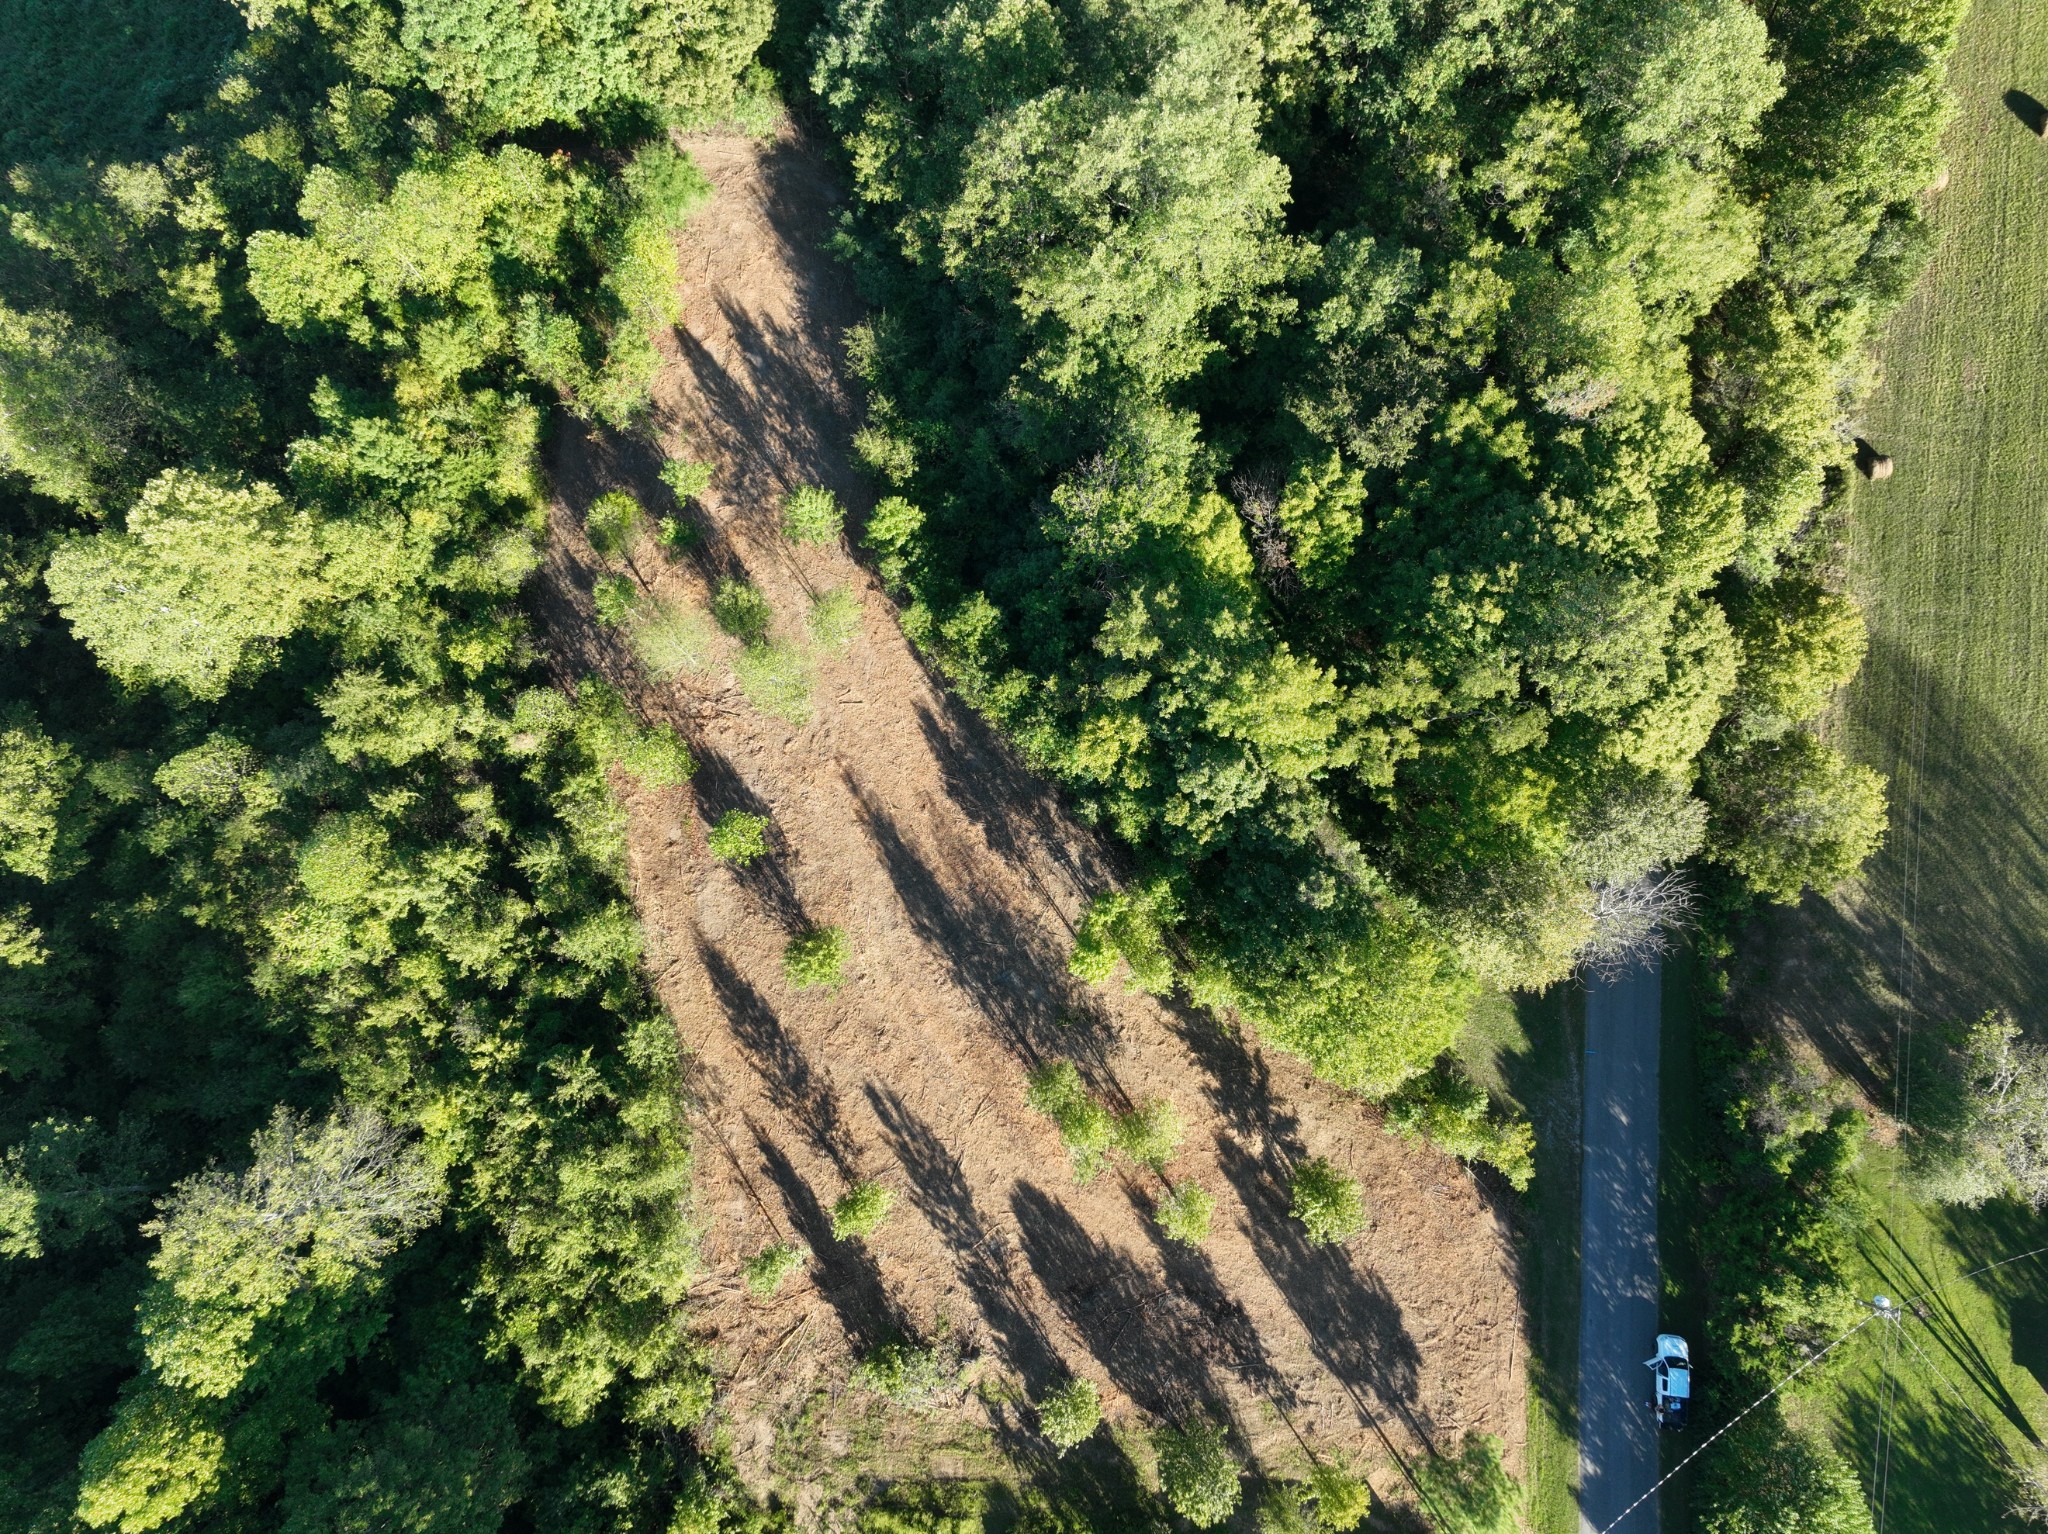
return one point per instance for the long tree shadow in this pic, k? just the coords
(1944, 1329)
(1951, 915)
(1354, 1324)
(1190, 1270)
(1996, 1239)
(846, 1275)
(1008, 969)
(939, 1189)
(1155, 1343)
(718, 790)
(794, 1085)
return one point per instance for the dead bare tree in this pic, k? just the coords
(1636, 921)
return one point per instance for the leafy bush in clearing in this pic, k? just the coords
(1086, 1129)
(687, 479)
(773, 1266)
(742, 611)
(1150, 1133)
(903, 1372)
(1450, 1109)
(1328, 1203)
(614, 597)
(676, 534)
(835, 617)
(861, 1212)
(812, 515)
(816, 960)
(738, 838)
(777, 680)
(1184, 1214)
(669, 640)
(1342, 1498)
(610, 521)
(1197, 1473)
(1069, 1414)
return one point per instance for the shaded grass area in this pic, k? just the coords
(1950, 559)
(1929, 1411)
(1527, 1051)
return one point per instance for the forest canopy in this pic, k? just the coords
(1379, 456)
(340, 1136)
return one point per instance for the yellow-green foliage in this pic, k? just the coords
(1069, 1414)
(861, 1211)
(770, 1268)
(610, 522)
(1185, 1213)
(1149, 1133)
(1327, 1202)
(835, 617)
(738, 838)
(670, 639)
(812, 514)
(742, 611)
(777, 678)
(816, 960)
(1086, 1127)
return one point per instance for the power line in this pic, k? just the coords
(1724, 1427)
(1812, 1359)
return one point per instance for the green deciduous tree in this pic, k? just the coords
(197, 589)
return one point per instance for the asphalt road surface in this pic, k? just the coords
(1618, 1295)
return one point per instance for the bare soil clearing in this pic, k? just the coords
(958, 877)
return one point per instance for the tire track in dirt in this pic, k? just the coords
(958, 877)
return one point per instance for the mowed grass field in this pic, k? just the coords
(1950, 559)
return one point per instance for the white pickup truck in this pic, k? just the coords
(1671, 1381)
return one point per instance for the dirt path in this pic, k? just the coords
(958, 877)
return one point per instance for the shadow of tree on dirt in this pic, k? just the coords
(1012, 972)
(845, 1274)
(1353, 1324)
(718, 790)
(1155, 1344)
(938, 1187)
(1191, 1272)
(794, 1085)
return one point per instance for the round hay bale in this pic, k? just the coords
(1878, 466)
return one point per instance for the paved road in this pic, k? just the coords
(1618, 1291)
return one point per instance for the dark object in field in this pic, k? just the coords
(1870, 463)
(2028, 111)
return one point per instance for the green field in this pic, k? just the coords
(1950, 558)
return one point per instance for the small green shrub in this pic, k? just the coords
(1150, 1133)
(816, 960)
(614, 597)
(610, 521)
(1197, 1473)
(1473, 1493)
(687, 479)
(902, 1372)
(861, 1212)
(773, 1266)
(738, 838)
(742, 611)
(1086, 1129)
(835, 617)
(669, 639)
(1069, 1414)
(776, 679)
(1184, 1214)
(812, 515)
(1342, 1498)
(678, 534)
(1328, 1204)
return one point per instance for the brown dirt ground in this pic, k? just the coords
(959, 878)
